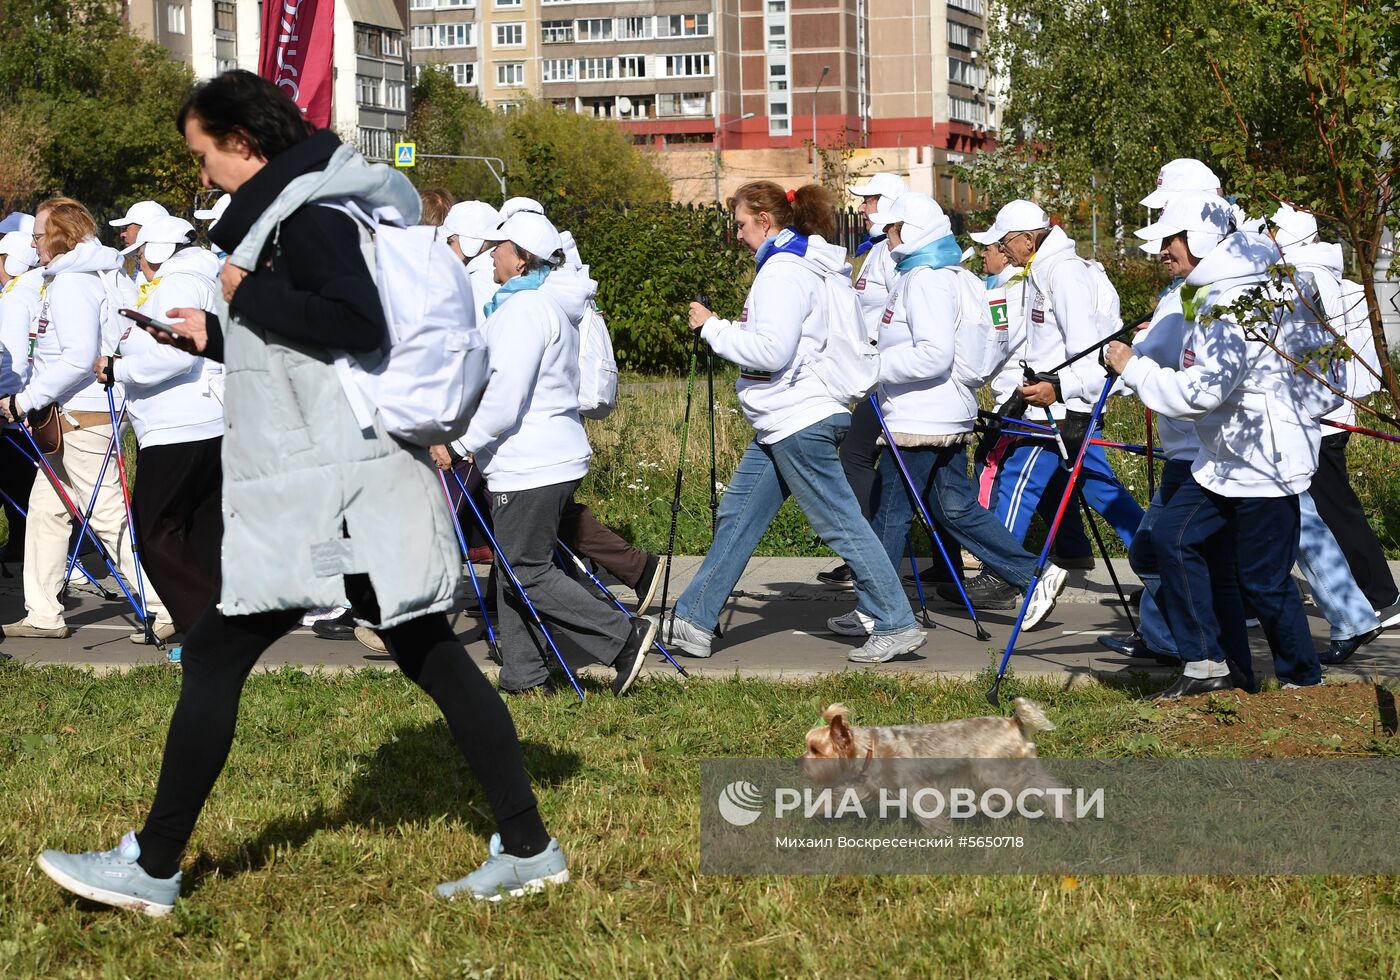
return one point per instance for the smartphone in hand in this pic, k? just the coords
(155, 323)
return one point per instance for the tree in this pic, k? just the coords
(107, 101)
(1344, 164)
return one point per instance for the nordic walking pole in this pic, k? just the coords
(147, 619)
(680, 475)
(1098, 538)
(104, 592)
(500, 557)
(918, 584)
(1151, 460)
(578, 563)
(471, 572)
(42, 464)
(704, 301)
(92, 505)
(1094, 416)
(922, 511)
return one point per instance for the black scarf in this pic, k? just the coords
(255, 196)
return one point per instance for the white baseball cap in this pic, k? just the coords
(472, 223)
(1181, 174)
(160, 237)
(19, 252)
(533, 232)
(516, 205)
(923, 221)
(212, 215)
(17, 221)
(1204, 215)
(140, 213)
(881, 185)
(572, 259)
(1019, 215)
(1294, 227)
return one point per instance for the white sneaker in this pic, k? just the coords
(323, 612)
(853, 623)
(1047, 590)
(887, 646)
(677, 634)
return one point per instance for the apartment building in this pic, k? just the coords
(369, 102)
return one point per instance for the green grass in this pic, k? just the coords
(344, 803)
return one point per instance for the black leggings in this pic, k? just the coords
(219, 653)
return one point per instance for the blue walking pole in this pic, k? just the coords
(578, 563)
(106, 593)
(922, 511)
(43, 464)
(918, 583)
(500, 557)
(92, 505)
(1071, 485)
(471, 572)
(146, 618)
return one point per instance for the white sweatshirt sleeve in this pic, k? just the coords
(512, 370)
(15, 316)
(146, 363)
(776, 306)
(1072, 297)
(930, 304)
(1192, 393)
(74, 314)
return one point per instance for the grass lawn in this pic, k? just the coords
(344, 803)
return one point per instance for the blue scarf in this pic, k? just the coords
(516, 284)
(937, 254)
(787, 240)
(870, 242)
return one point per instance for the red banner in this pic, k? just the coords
(296, 53)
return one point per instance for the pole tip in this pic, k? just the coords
(982, 633)
(992, 698)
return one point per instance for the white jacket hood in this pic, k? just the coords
(193, 261)
(89, 255)
(1240, 258)
(1056, 247)
(1317, 255)
(823, 257)
(572, 290)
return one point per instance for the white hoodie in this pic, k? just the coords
(1162, 342)
(76, 323)
(481, 270)
(173, 397)
(526, 432)
(1011, 377)
(1256, 439)
(873, 286)
(1062, 319)
(782, 329)
(920, 392)
(19, 303)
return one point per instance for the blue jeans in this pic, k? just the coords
(805, 466)
(1216, 551)
(1027, 475)
(1142, 556)
(1324, 565)
(940, 474)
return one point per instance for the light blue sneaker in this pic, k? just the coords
(113, 878)
(504, 875)
(173, 654)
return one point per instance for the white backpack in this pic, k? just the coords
(849, 361)
(427, 379)
(597, 366)
(981, 347)
(1357, 315)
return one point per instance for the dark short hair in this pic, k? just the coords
(239, 104)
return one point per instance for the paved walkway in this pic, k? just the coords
(774, 626)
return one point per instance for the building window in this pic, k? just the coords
(395, 94)
(444, 35)
(595, 29)
(367, 90)
(367, 41)
(374, 143)
(963, 36)
(557, 31)
(965, 73)
(971, 6)
(175, 18)
(632, 66)
(687, 65)
(392, 44)
(777, 37)
(966, 110)
(687, 104)
(510, 35)
(777, 7)
(510, 74)
(463, 72)
(508, 107)
(683, 25)
(225, 17)
(595, 69)
(509, 3)
(634, 28)
(778, 127)
(557, 70)
(222, 65)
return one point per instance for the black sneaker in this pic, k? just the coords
(986, 591)
(653, 573)
(841, 577)
(341, 627)
(633, 654)
(936, 574)
(1134, 646)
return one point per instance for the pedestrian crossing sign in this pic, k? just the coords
(404, 154)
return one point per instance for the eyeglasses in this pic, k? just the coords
(1004, 245)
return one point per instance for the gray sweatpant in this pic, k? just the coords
(527, 525)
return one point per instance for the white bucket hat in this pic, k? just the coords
(881, 185)
(1294, 227)
(534, 233)
(160, 238)
(472, 223)
(923, 221)
(1017, 216)
(140, 213)
(517, 205)
(19, 253)
(1181, 174)
(1204, 216)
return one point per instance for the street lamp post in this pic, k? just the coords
(817, 92)
(719, 132)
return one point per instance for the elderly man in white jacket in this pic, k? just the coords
(1234, 522)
